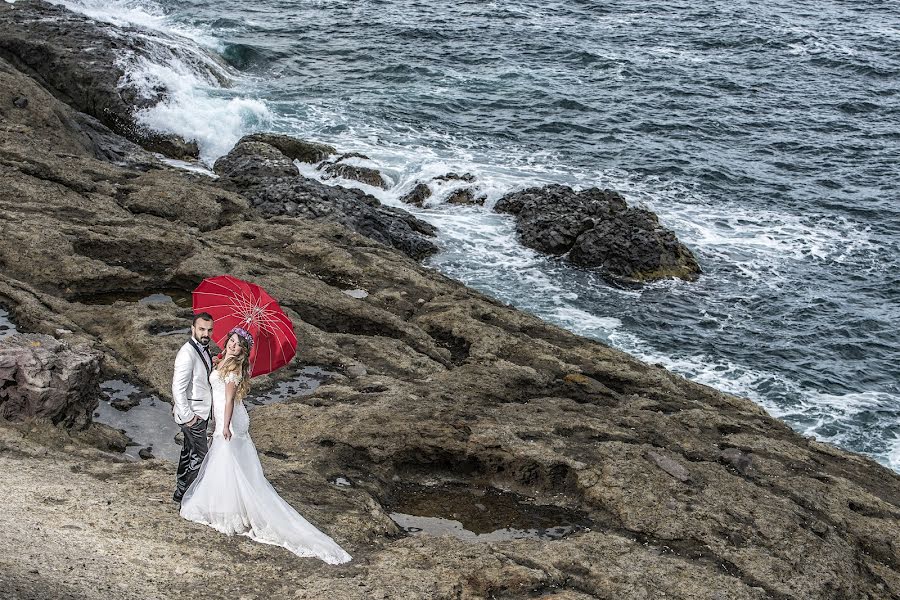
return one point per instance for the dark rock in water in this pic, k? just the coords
(249, 161)
(598, 229)
(357, 210)
(418, 195)
(293, 148)
(125, 404)
(78, 60)
(465, 196)
(270, 181)
(20, 102)
(339, 168)
(146, 453)
(467, 177)
(42, 377)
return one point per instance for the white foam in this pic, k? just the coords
(893, 456)
(215, 123)
(187, 166)
(144, 14)
(195, 106)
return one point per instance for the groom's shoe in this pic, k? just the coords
(176, 497)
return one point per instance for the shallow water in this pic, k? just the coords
(150, 423)
(479, 514)
(7, 327)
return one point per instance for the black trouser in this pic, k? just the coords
(193, 450)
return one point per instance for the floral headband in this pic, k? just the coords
(243, 333)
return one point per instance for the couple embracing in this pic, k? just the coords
(221, 484)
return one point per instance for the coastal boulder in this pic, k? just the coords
(314, 200)
(293, 148)
(268, 178)
(596, 228)
(42, 377)
(418, 195)
(465, 196)
(249, 162)
(355, 166)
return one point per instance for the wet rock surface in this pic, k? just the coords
(294, 148)
(271, 182)
(690, 492)
(355, 166)
(250, 161)
(418, 195)
(596, 228)
(50, 43)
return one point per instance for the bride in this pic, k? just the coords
(231, 493)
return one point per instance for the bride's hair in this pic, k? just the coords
(239, 364)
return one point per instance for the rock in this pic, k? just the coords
(250, 162)
(356, 371)
(465, 196)
(42, 377)
(268, 178)
(195, 203)
(293, 148)
(103, 437)
(597, 229)
(20, 102)
(739, 461)
(340, 167)
(670, 466)
(467, 177)
(418, 195)
(146, 453)
(125, 404)
(170, 145)
(311, 199)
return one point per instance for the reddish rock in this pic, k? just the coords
(42, 377)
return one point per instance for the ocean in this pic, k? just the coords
(765, 134)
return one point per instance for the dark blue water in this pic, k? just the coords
(766, 134)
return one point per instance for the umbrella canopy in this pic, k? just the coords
(233, 302)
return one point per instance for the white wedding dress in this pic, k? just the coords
(231, 493)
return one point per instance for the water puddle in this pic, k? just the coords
(303, 383)
(480, 515)
(7, 327)
(145, 418)
(179, 297)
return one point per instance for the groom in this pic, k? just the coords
(192, 400)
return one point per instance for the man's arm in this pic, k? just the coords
(181, 380)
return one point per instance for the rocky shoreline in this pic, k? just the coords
(671, 488)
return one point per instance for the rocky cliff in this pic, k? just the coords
(446, 404)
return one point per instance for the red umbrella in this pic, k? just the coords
(233, 302)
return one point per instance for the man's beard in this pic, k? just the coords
(204, 341)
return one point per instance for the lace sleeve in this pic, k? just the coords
(232, 377)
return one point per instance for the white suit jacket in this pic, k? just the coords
(191, 391)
